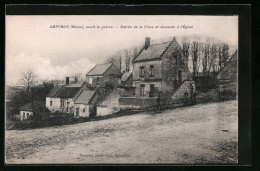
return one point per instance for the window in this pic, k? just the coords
(83, 110)
(141, 71)
(97, 80)
(27, 115)
(67, 109)
(142, 89)
(90, 80)
(151, 70)
(23, 115)
(61, 103)
(51, 103)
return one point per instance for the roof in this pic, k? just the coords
(99, 69)
(125, 76)
(68, 92)
(75, 84)
(154, 51)
(54, 91)
(85, 97)
(36, 104)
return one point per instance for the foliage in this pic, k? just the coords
(28, 92)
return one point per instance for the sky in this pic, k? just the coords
(33, 44)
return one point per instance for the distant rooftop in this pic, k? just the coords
(99, 69)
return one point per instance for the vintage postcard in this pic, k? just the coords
(121, 89)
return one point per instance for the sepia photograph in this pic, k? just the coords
(121, 89)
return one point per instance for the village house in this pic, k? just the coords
(104, 75)
(28, 110)
(160, 68)
(61, 97)
(85, 103)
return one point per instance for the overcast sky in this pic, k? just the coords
(53, 53)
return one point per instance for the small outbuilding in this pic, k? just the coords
(28, 110)
(85, 104)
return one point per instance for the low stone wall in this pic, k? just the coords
(136, 103)
(103, 111)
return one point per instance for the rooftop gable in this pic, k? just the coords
(154, 51)
(99, 69)
(54, 91)
(85, 97)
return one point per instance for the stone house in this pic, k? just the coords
(159, 68)
(103, 75)
(85, 103)
(61, 97)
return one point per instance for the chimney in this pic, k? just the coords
(67, 80)
(147, 42)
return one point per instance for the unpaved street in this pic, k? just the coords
(204, 133)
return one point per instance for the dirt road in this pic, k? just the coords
(204, 133)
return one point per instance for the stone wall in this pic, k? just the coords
(135, 102)
(103, 110)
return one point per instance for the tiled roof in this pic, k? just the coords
(36, 104)
(68, 92)
(54, 91)
(85, 97)
(154, 51)
(125, 76)
(99, 69)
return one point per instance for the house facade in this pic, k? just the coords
(61, 98)
(159, 68)
(85, 103)
(103, 74)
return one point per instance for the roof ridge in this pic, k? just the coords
(92, 69)
(170, 43)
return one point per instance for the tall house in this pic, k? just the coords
(159, 68)
(103, 74)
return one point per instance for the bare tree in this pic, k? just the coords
(28, 81)
(195, 52)
(213, 59)
(205, 59)
(223, 56)
(185, 50)
(116, 59)
(128, 56)
(78, 77)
